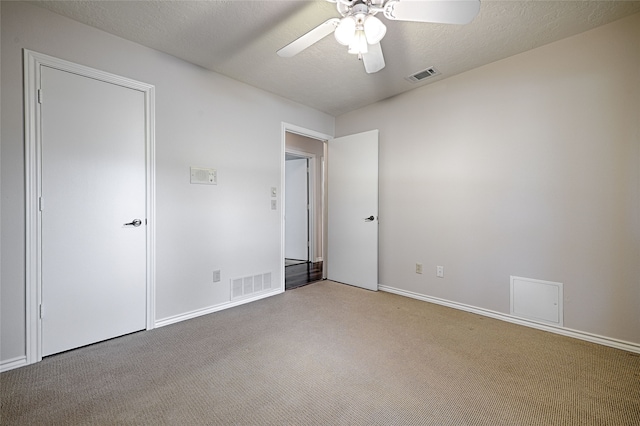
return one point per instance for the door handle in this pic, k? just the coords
(369, 219)
(135, 222)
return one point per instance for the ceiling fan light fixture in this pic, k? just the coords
(359, 45)
(374, 29)
(361, 31)
(346, 31)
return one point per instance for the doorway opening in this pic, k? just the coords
(348, 232)
(303, 207)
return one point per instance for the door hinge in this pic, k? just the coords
(40, 311)
(39, 96)
(40, 205)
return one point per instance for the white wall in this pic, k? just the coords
(529, 166)
(202, 119)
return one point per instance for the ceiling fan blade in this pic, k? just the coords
(436, 11)
(373, 60)
(310, 38)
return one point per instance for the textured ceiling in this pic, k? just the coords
(239, 39)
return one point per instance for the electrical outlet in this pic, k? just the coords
(216, 276)
(418, 268)
(440, 271)
(274, 204)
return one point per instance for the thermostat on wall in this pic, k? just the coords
(204, 176)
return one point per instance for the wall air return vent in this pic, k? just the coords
(537, 300)
(423, 75)
(250, 285)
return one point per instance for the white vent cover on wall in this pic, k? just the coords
(537, 300)
(423, 75)
(250, 285)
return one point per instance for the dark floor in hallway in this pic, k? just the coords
(302, 274)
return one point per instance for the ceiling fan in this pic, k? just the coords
(361, 30)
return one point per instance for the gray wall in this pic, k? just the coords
(529, 166)
(201, 120)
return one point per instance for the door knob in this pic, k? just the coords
(135, 222)
(369, 219)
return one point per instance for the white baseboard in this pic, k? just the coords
(211, 309)
(10, 364)
(576, 334)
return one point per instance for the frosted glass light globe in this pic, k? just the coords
(359, 44)
(346, 31)
(374, 29)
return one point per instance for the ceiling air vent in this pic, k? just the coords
(423, 75)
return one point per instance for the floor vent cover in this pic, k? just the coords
(250, 285)
(423, 75)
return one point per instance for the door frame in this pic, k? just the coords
(32, 62)
(302, 131)
(311, 200)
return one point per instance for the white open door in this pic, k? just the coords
(352, 254)
(296, 209)
(93, 210)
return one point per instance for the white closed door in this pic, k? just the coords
(93, 191)
(352, 247)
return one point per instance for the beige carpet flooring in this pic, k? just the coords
(330, 354)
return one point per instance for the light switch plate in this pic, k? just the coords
(274, 191)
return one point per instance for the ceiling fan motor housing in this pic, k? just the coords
(360, 9)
